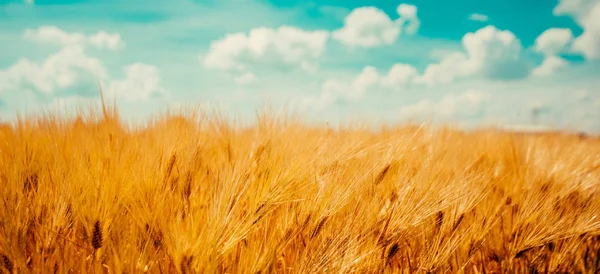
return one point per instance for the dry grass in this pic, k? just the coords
(195, 195)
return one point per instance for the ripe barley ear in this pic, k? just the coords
(170, 167)
(31, 182)
(382, 174)
(97, 239)
(393, 251)
(186, 264)
(523, 252)
(6, 263)
(318, 227)
(439, 220)
(458, 222)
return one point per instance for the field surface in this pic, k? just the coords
(194, 194)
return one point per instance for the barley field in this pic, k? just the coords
(192, 193)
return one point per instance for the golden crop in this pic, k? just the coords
(194, 194)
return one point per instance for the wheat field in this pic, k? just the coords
(192, 193)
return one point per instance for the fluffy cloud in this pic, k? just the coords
(71, 72)
(334, 90)
(588, 42)
(494, 53)
(549, 66)
(59, 71)
(576, 8)
(398, 77)
(55, 35)
(408, 18)
(453, 106)
(370, 26)
(553, 41)
(489, 52)
(478, 17)
(586, 14)
(106, 40)
(367, 78)
(285, 45)
(451, 66)
(141, 82)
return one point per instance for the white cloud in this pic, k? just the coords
(369, 79)
(588, 42)
(489, 52)
(400, 75)
(586, 14)
(367, 27)
(29, 2)
(553, 41)
(549, 66)
(335, 89)
(285, 45)
(577, 8)
(106, 40)
(493, 52)
(452, 66)
(71, 71)
(61, 70)
(54, 35)
(141, 82)
(245, 79)
(462, 105)
(57, 36)
(478, 17)
(370, 26)
(408, 17)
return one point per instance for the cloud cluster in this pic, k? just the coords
(370, 26)
(551, 43)
(141, 81)
(586, 14)
(398, 77)
(488, 53)
(59, 71)
(549, 66)
(70, 71)
(57, 36)
(556, 41)
(285, 45)
(290, 46)
(469, 104)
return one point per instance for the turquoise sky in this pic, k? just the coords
(466, 63)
